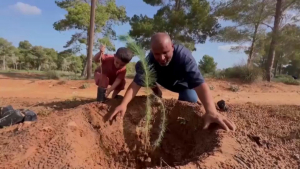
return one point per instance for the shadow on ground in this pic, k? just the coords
(67, 104)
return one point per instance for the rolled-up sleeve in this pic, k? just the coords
(193, 75)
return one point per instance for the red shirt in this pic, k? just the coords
(109, 68)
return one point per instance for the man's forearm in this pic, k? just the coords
(205, 97)
(131, 92)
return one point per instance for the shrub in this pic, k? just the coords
(244, 73)
(85, 86)
(218, 74)
(62, 82)
(207, 64)
(52, 74)
(287, 80)
(234, 88)
(291, 82)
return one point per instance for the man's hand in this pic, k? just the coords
(132, 90)
(120, 110)
(157, 91)
(215, 117)
(102, 48)
(108, 91)
(212, 115)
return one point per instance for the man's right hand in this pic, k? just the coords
(102, 48)
(157, 91)
(131, 92)
(120, 110)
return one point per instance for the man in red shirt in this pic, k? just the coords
(112, 70)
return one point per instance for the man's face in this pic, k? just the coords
(118, 63)
(163, 53)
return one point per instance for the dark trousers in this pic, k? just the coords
(188, 95)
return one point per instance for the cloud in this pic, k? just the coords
(226, 47)
(25, 9)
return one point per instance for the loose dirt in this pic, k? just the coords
(72, 131)
(81, 137)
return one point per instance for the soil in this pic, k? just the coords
(82, 138)
(73, 132)
(30, 87)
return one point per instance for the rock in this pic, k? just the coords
(148, 160)
(296, 156)
(72, 124)
(47, 128)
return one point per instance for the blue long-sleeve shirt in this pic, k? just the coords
(181, 73)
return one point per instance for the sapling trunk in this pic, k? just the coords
(162, 124)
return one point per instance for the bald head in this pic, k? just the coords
(160, 39)
(162, 48)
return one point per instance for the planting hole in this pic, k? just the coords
(124, 141)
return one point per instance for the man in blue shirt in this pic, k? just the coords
(176, 70)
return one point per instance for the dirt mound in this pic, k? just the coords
(82, 138)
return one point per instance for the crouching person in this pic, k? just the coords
(112, 70)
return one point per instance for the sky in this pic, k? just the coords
(33, 20)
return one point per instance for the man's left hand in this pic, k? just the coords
(215, 117)
(108, 91)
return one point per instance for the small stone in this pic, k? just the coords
(72, 124)
(47, 128)
(148, 160)
(297, 156)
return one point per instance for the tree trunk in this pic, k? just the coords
(91, 39)
(4, 64)
(177, 4)
(249, 62)
(275, 66)
(280, 67)
(84, 71)
(250, 57)
(273, 44)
